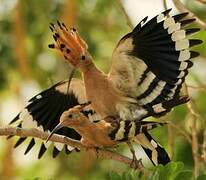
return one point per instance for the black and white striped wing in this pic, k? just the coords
(138, 131)
(44, 111)
(151, 62)
(127, 130)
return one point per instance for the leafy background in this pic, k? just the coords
(27, 66)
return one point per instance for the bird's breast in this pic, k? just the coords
(97, 135)
(103, 97)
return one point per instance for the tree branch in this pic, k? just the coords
(102, 153)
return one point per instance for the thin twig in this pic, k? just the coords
(204, 147)
(202, 1)
(180, 131)
(180, 6)
(165, 4)
(170, 140)
(106, 154)
(193, 127)
(129, 23)
(197, 87)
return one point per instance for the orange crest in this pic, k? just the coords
(68, 42)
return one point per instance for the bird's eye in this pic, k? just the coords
(70, 116)
(83, 57)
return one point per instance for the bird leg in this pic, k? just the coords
(93, 150)
(136, 164)
(89, 147)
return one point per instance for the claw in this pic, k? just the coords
(136, 164)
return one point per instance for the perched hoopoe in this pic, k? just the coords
(149, 66)
(46, 108)
(102, 134)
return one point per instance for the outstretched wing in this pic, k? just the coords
(151, 62)
(44, 111)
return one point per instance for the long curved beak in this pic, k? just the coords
(58, 126)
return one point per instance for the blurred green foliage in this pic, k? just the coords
(172, 171)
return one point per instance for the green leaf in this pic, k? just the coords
(114, 176)
(187, 174)
(126, 176)
(168, 171)
(136, 174)
(154, 176)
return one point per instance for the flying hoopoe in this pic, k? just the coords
(149, 66)
(101, 134)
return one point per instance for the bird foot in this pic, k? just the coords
(136, 163)
(93, 150)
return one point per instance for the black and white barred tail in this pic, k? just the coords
(138, 132)
(155, 152)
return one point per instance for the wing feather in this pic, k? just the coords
(44, 111)
(151, 62)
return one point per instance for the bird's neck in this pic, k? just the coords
(100, 91)
(93, 78)
(90, 69)
(84, 130)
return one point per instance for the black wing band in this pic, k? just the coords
(44, 111)
(163, 45)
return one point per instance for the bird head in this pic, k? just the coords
(72, 118)
(71, 45)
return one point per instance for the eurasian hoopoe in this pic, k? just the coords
(148, 69)
(46, 108)
(149, 66)
(102, 134)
